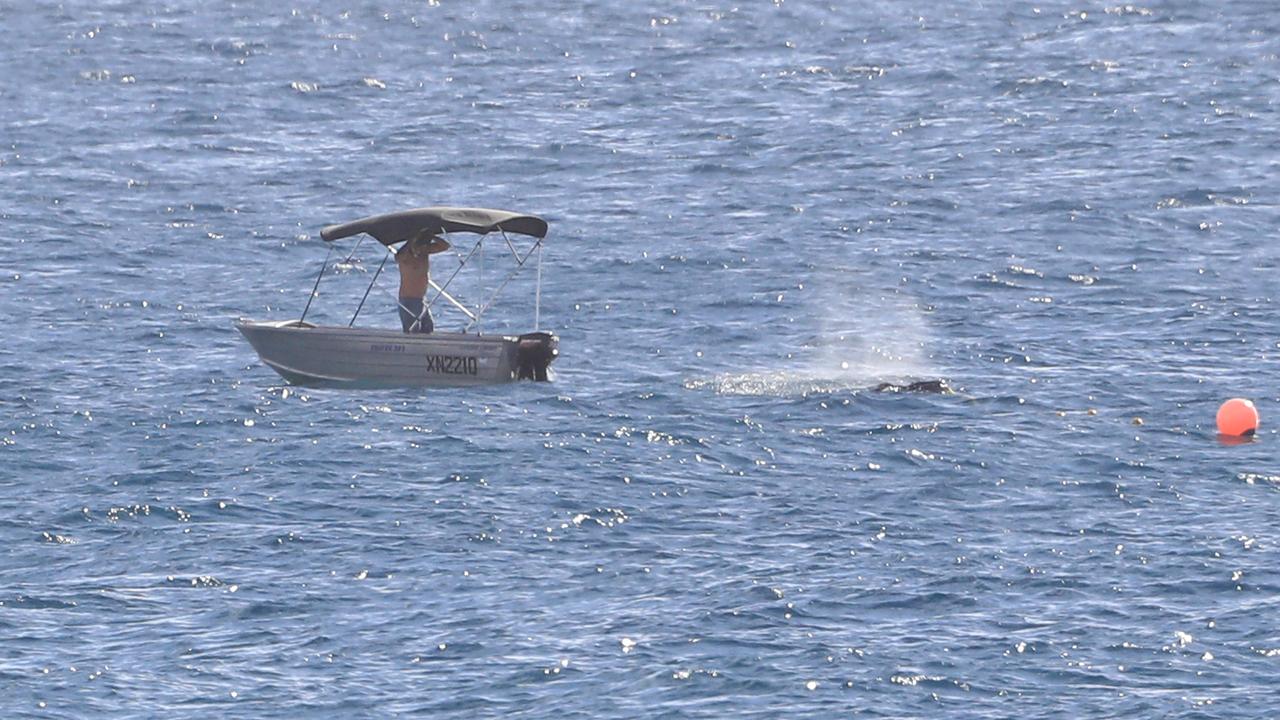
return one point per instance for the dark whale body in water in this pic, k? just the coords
(937, 387)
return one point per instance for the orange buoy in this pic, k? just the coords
(1237, 416)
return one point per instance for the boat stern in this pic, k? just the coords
(535, 352)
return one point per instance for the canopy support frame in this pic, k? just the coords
(359, 307)
(316, 287)
(520, 262)
(474, 315)
(537, 293)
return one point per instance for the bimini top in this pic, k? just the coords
(397, 227)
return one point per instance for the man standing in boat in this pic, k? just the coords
(414, 259)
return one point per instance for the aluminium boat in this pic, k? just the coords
(304, 353)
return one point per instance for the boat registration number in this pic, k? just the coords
(453, 365)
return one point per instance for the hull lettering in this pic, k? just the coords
(452, 365)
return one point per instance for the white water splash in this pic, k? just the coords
(863, 339)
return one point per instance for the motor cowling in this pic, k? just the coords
(534, 353)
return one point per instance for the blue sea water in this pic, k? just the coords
(759, 210)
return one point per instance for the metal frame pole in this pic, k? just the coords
(366, 290)
(315, 287)
(537, 296)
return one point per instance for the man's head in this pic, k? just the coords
(425, 243)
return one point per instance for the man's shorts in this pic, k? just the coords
(411, 309)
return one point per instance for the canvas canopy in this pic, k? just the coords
(397, 227)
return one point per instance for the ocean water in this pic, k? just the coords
(759, 211)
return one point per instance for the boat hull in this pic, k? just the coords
(327, 356)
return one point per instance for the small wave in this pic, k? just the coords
(28, 602)
(1198, 197)
(236, 48)
(1129, 10)
(914, 679)
(600, 517)
(868, 72)
(1032, 86)
(199, 581)
(1259, 479)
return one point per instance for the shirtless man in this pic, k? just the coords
(415, 273)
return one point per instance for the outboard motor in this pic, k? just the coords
(534, 354)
